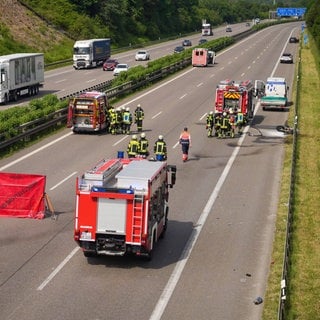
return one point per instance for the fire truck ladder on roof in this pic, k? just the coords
(137, 216)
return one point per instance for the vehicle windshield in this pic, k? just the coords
(81, 50)
(231, 103)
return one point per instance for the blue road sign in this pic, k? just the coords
(291, 12)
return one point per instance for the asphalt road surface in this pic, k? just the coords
(215, 258)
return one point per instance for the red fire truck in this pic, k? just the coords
(122, 206)
(235, 96)
(88, 112)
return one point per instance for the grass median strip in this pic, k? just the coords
(303, 287)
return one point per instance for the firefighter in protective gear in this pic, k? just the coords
(232, 123)
(118, 120)
(240, 121)
(133, 147)
(113, 121)
(217, 124)
(185, 141)
(126, 121)
(138, 117)
(210, 123)
(225, 125)
(144, 144)
(160, 149)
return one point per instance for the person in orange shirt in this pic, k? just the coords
(185, 141)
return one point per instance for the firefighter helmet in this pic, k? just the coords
(134, 137)
(224, 114)
(127, 109)
(161, 137)
(211, 112)
(139, 105)
(143, 135)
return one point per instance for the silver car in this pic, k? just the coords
(142, 55)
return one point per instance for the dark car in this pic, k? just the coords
(110, 65)
(186, 43)
(178, 49)
(202, 41)
(293, 40)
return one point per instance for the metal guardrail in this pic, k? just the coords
(288, 245)
(26, 131)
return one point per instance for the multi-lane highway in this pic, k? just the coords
(215, 258)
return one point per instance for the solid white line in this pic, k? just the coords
(203, 116)
(34, 152)
(64, 180)
(62, 80)
(176, 145)
(183, 96)
(175, 276)
(158, 87)
(56, 270)
(125, 137)
(158, 114)
(185, 255)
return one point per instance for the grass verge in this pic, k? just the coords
(303, 287)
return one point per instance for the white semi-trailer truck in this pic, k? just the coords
(20, 74)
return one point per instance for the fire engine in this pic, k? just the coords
(235, 96)
(87, 112)
(122, 206)
(201, 57)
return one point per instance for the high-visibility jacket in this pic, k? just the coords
(160, 147)
(144, 143)
(113, 117)
(185, 138)
(127, 117)
(210, 120)
(139, 114)
(240, 117)
(133, 148)
(225, 123)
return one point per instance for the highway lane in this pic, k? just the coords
(231, 244)
(65, 81)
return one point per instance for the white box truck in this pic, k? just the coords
(90, 53)
(20, 74)
(273, 93)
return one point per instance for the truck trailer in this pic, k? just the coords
(20, 74)
(122, 206)
(91, 53)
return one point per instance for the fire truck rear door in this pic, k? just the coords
(112, 216)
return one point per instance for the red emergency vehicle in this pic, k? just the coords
(122, 206)
(88, 112)
(236, 96)
(201, 57)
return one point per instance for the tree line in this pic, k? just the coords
(139, 21)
